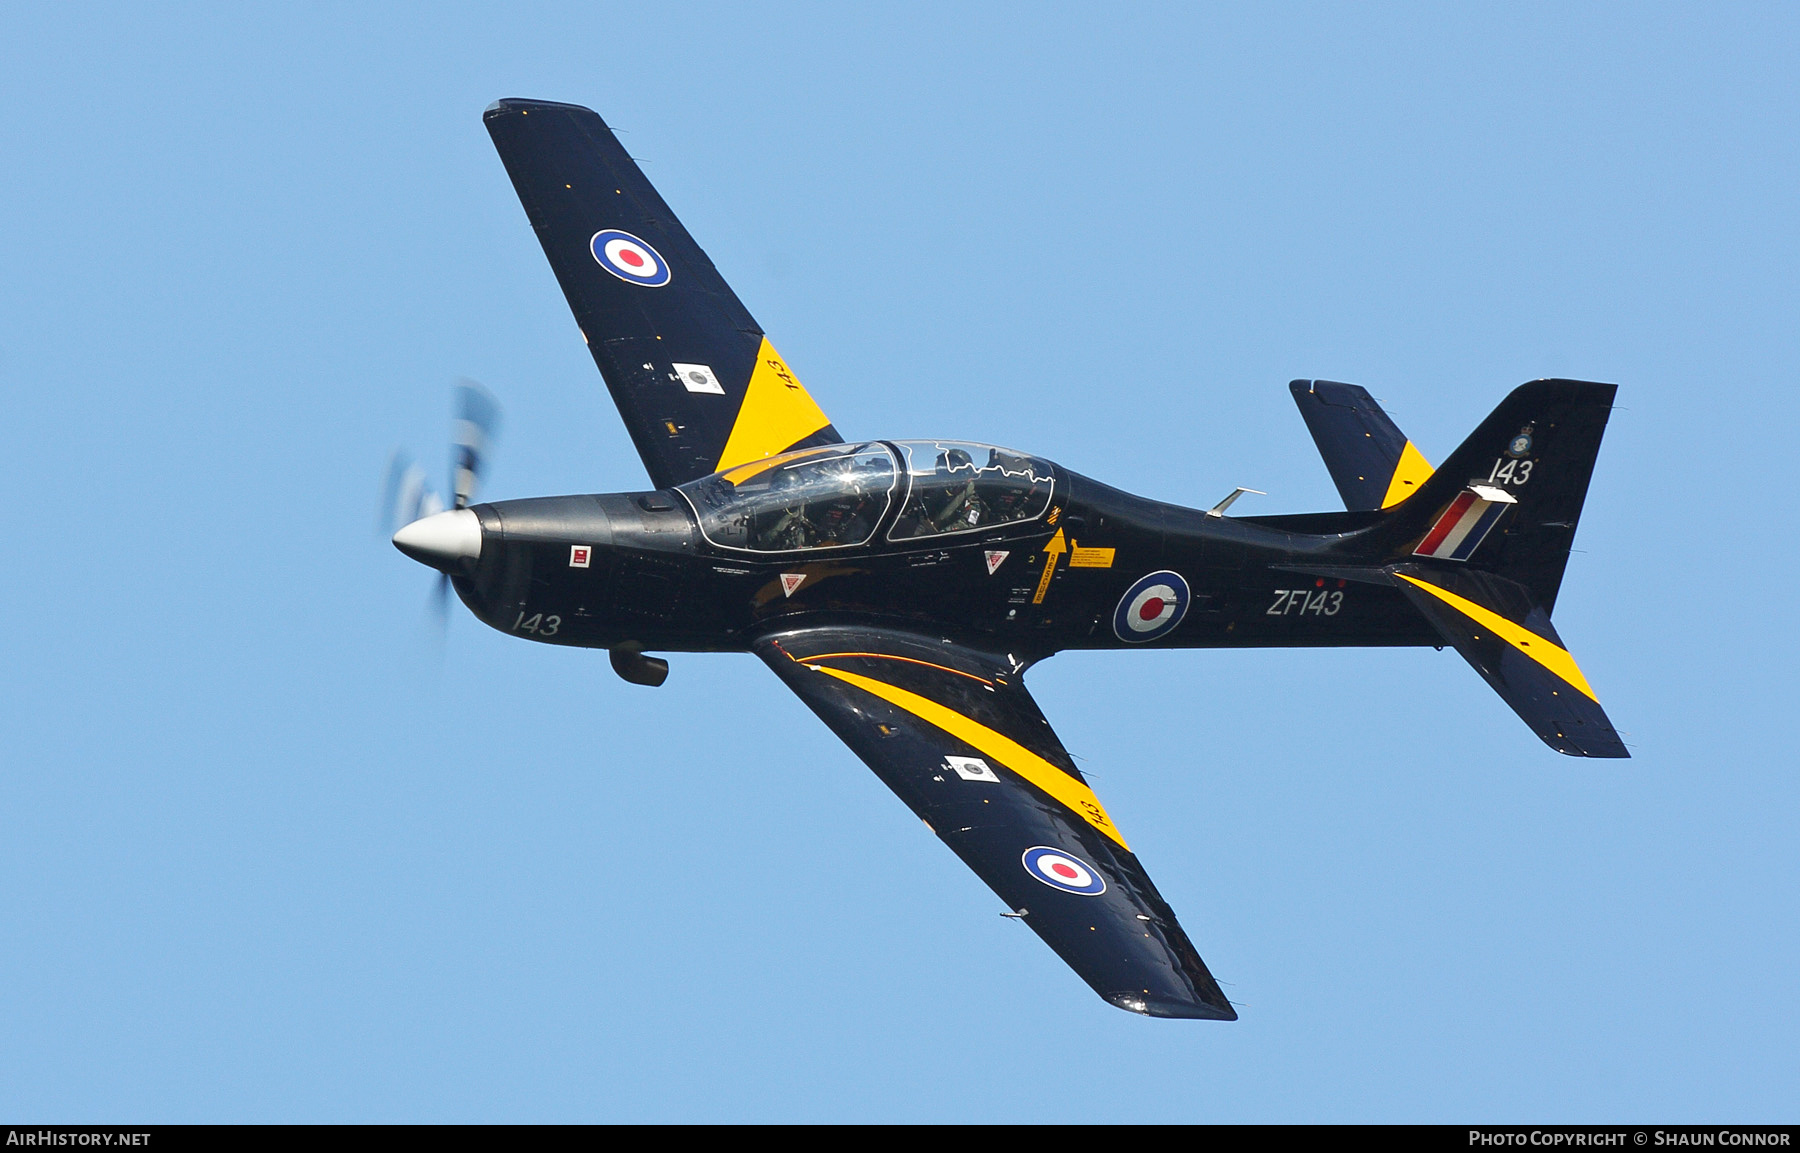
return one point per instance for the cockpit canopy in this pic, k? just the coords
(836, 497)
(830, 497)
(960, 487)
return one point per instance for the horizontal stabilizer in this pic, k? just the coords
(1370, 460)
(1495, 625)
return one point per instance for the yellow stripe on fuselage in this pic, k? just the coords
(1410, 472)
(1546, 653)
(1073, 795)
(777, 413)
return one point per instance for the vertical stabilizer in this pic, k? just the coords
(1508, 500)
(1370, 460)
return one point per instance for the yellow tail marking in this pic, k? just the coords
(776, 413)
(1545, 653)
(1074, 795)
(1412, 471)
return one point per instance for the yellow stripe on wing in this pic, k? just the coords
(777, 413)
(890, 657)
(1411, 471)
(1544, 652)
(1066, 789)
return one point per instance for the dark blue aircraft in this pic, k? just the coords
(903, 587)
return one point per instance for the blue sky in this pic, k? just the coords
(274, 851)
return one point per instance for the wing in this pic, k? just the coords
(954, 733)
(699, 385)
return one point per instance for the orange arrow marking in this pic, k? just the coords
(1052, 551)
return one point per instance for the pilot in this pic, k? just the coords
(792, 528)
(962, 508)
(849, 515)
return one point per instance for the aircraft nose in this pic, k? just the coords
(442, 540)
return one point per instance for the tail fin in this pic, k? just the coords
(1509, 499)
(1370, 460)
(1480, 550)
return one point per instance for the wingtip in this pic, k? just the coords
(1604, 745)
(520, 104)
(1146, 1006)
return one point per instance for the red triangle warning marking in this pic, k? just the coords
(995, 559)
(791, 581)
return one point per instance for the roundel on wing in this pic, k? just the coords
(629, 258)
(1065, 871)
(1151, 607)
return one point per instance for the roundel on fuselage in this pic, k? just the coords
(1151, 607)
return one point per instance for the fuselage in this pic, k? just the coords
(1089, 569)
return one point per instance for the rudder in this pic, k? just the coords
(1509, 499)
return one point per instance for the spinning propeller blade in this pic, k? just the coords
(407, 495)
(477, 423)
